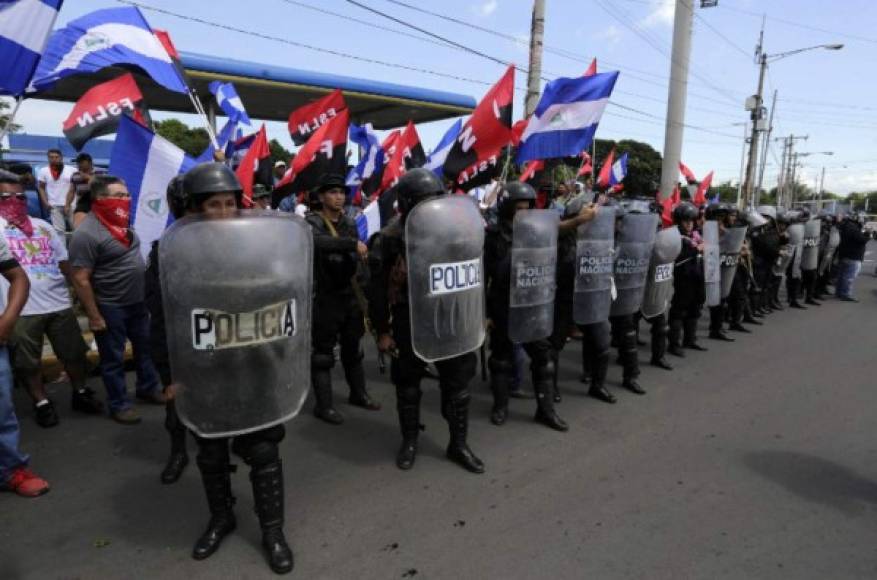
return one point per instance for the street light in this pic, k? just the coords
(763, 59)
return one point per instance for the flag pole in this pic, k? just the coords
(9, 120)
(200, 110)
(491, 197)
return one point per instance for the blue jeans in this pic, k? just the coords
(846, 275)
(10, 456)
(131, 322)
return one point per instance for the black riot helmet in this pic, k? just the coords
(783, 217)
(207, 179)
(415, 186)
(512, 193)
(718, 211)
(685, 211)
(804, 215)
(177, 199)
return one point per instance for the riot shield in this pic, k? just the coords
(532, 277)
(444, 240)
(730, 243)
(659, 281)
(830, 249)
(238, 316)
(634, 250)
(796, 240)
(593, 283)
(712, 268)
(810, 255)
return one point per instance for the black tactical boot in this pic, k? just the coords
(737, 327)
(598, 379)
(408, 407)
(555, 363)
(359, 397)
(268, 496)
(178, 458)
(660, 333)
(545, 412)
(456, 412)
(674, 338)
(689, 328)
(217, 487)
(720, 335)
(321, 380)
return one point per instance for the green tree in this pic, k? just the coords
(278, 152)
(4, 117)
(192, 141)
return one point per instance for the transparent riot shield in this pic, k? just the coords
(237, 306)
(796, 240)
(633, 253)
(593, 282)
(730, 243)
(712, 268)
(659, 281)
(810, 255)
(444, 240)
(830, 250)
(532, 277)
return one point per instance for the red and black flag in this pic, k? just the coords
(256, 166)
(415, 156)
(474, 158)
(98, 111)
(307, 119)
(325, 152)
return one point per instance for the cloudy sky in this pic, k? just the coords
(826, 95)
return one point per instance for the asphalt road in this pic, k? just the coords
(754, 460)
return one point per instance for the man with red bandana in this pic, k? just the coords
(108, 276)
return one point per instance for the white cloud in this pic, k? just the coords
(611, 36)
(488, 8)
(662, 15)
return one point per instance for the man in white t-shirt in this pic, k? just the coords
(54, 187)
(41, 252)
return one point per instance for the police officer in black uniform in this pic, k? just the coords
(722, 213)
(794, 286)
(497, 266)
(388, 306)
(688, 284)
(765, 246)
(212, 189)
(337, 315)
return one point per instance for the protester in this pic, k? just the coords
(14, 474)
(80, 196)
(279, 172)
(853, 239)
(42, 253)
(54, 187)
(261, 196)
(108, 272)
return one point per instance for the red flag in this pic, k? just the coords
(668, 205)
(389, 144)
(518, 131)
(415, 156)
(98, 111)
(606, 170)
(702, 188)
(677, 196)
(325, 152)
(248, 169)
(587, 169)
(592, 70)
(689, 174)
(307, 119)
(531, 169)
(474, 158)
(165, 39)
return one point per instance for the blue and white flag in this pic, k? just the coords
(228, 100)
(619, 171)
(25, 26)
(368, 223)
(436, 160)
(372, 161)
(564, 122)
(114, 36)
(147, 163)
(226, 134)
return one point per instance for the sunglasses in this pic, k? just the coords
(10, 195)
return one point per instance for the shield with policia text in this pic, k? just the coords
(593, 274)
(238, 316)
(532, 277)
(659, 281)
(730, 244)
(810, 255)
(633, 250)
(796, 241)
(712, 267)
(444, 240)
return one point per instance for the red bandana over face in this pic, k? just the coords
(114, 213)
(14, 210)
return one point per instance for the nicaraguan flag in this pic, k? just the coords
(373, 154)
(224, 138)
(619, 171)
(228, 100)
(147, 163)
(436, 160)
(368, 223)
(25, 26)
(564, 122)
(114, 36)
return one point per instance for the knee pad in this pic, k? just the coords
(255, 450)
(322, 361)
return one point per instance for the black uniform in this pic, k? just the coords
(765, 245)
(337, 316)
(689, 294)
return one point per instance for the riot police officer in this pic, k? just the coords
(765, 245)
(784, 258)
(213, 191)
(392, 318)
(725, 215)
(794, 273)
(688, 283)
(829, 240)
(498, 268)
(810, 257)
(337, 314)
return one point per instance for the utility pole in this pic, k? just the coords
(677, 97)
(537, 33)
(781, 178)
(821, 186)
(757, 198)
(756, 116)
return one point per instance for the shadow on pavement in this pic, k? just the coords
(815, 479)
